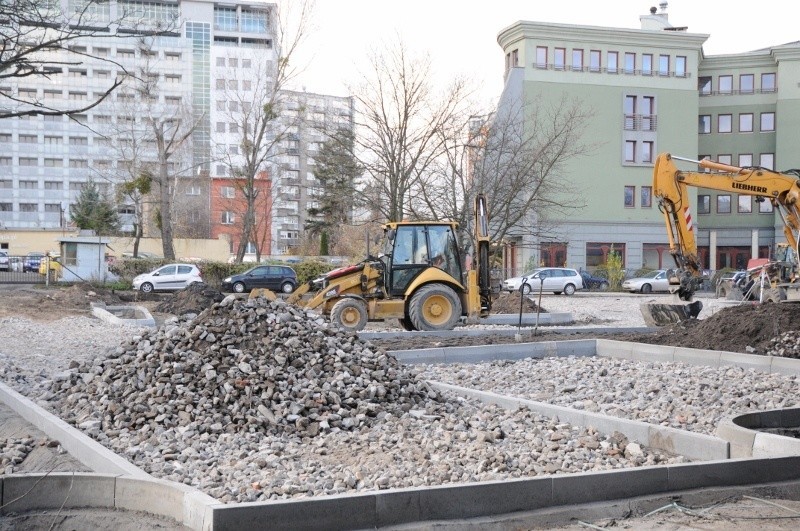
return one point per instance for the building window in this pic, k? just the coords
(647, 64)
(228, 218)
(630, 196)
(28, 207)
(53, 163)
(28, 161)
(228, 192)
(220, 84)
(220, 61)
(597, 253)
(630, 113)
(53, 185)
(560, 58)
(765, 207)
(220, 127)
(768, 83)
(515, 57)
(28, 185)
(767, 161)
(680, 66)
(78, 141)
(254, 21)
(630, 151)
(577, 60)
(724, 159)
(724, 123)
(630, 63)
(703, 204)
(647, 196)
(704, 124)
(704, 85)
(767, 121)
(193, 190)
(246, 63)
(233, 127)
(663, 65)
(648, 113)
(723, 204)
(725, 84)
(647, 151)
(746, 84)
(594, 60)
(612, 62)
(746, 123)
(225, 18)
(745, 205)
(28, 139)
(541, 57)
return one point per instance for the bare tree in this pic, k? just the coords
(257, 106)
(402, 123)
(516, 157)
(38, 38)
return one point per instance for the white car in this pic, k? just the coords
(167, 278)
(654, 281)
(556, 279)
(4, 261)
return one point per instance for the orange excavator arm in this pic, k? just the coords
(670, 186)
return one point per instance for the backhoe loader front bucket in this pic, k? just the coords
(665, 314)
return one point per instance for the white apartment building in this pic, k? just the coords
(46, 160)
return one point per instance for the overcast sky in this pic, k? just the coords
(461, 35)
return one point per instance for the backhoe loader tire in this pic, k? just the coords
(405, 324)
(434, 307)
(349, 314)
(774, 295)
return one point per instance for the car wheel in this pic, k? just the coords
(647, 288)
(349, 314)
(146, 288)
(526, 289)
(434, 307)
(569, 289)
(287, 287)
(239, 287)
(603, 286)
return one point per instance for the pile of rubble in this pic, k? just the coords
(786, 345)
(241, 365)
(255, 400)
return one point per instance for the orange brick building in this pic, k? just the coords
(228, 206)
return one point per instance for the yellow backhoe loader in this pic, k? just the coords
(419, 279)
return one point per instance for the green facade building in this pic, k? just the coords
(648, 91)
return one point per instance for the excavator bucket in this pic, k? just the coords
(665, 314)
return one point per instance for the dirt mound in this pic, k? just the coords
(508, 302)
(733, 329)
(193, 299)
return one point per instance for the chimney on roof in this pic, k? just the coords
(657, 21)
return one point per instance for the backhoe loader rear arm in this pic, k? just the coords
(670, 187)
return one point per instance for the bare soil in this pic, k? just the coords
(744, 328)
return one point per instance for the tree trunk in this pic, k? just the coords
(167, 244)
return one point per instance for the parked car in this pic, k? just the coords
(592, 282)
(32, 261)
(556, 279)
(168, 278)
(648, 283)
(274, 277)
(4, 262)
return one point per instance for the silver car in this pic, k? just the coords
(551, 279)
(653, 281)
(167, 278)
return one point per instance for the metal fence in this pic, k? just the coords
(20, 270)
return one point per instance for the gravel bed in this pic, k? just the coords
(437, 440)
(693, 398)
